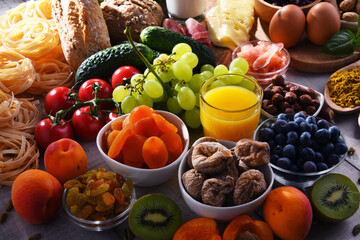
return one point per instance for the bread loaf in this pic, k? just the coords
(82, 29)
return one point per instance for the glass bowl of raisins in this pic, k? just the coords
(302, 148)
(98, 200)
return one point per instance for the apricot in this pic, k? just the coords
(65, 159)
(288, 212)
(173, 144)
(154, 152)
(36, 195)
(202, 228)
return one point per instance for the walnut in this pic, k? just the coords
(193, 181)
(253, 153)
(210, 157)
(214, 191)
(249, 186)
(200, 140)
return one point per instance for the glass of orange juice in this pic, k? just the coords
(230, 106)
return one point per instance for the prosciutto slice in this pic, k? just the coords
(174, 26)
(264, 60)
(197, 31)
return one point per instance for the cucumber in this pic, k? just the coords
(103, 63)
(162, 39)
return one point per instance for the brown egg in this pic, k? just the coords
(323, 21)
(287, 25)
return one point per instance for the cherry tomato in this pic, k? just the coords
(57, 99)
(111, 116)
(123, 73)
(86, 127)
(86, 92)
(44, 134)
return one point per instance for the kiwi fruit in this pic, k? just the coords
(155, 216)
(334, 197)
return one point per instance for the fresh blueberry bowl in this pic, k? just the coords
(303, 148)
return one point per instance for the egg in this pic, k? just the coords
(323, 21)
(287, 25)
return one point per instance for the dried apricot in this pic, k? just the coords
(117, 124)
(138, 113)
(126, 122)
(173, 144)
(118, 142)
(146, 127)
(132, 151)
(164, 125)
(154, 152)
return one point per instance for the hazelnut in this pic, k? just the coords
(326, 113)
(278, 80)
(266, 103)
(311, 92)
(267, 93)
(296, 90)
(316, 103)
(289, 111)
(290, 97)
(276, 89)
(284, 105)
(305, 100)
(302, 111)
(271, 109)
(277, 99)
(288, 85)
(297, 107)
(310, 110)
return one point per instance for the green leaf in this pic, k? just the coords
(342, 44)
(358, 30)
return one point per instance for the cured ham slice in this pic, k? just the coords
(173, 25)
(197, 31)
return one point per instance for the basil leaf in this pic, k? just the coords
(342, 44)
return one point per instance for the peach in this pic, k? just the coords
(65, 159)
(36, 195)
(288, 212)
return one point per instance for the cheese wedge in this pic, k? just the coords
(230, 22)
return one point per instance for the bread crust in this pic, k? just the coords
(82, 29)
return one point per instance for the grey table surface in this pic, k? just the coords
(60, 226)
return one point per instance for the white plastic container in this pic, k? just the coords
(183, 9)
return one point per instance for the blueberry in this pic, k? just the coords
(308, 154)
(305, 139)
(299, 115)
(300, 163)
(284, 163)
(316, 146)
(322, 136)
(294, 168)
(310, 166)
(321, 166)
(314, 128)
(283, 116)
(280, 139)
(299, 120)
(332, 159)
(323, 124)
(327, 149)
(292, 138)
(279, 126)
(310, 119)
(318, 157)
(274, 158)
(291, 126)
(289, 151)
(340, 148)
(277, 150)
(334, 133)
(271, 143)
(266, 134)
(305, 127)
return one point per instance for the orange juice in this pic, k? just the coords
(230, 112)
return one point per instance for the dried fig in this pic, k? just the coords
(214, 191)
(253, 153)
(193, 181)
(199, 140)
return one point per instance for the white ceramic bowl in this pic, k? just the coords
(319, 97)
(146, 177)
(224, 213)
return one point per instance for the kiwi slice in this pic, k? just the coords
(155, 216)
(334, 197)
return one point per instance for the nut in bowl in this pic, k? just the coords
(228, 194)
(303, 148)
(98, 200)
(261, 68)
(146, 173)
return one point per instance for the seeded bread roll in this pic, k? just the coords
(82, 29)
(137, 13)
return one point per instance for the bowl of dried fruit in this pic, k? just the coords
(287, 97)
(144, 145)
(302, 148)
(222, 179)
(98, 200)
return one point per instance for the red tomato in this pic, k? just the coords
(44, 134)
(57, 99)
(86, 127)
(111, 116)
(86, 92)
(123, 73)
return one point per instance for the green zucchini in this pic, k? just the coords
(103, 63)
(163, 40)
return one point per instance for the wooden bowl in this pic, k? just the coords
(266, 10)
